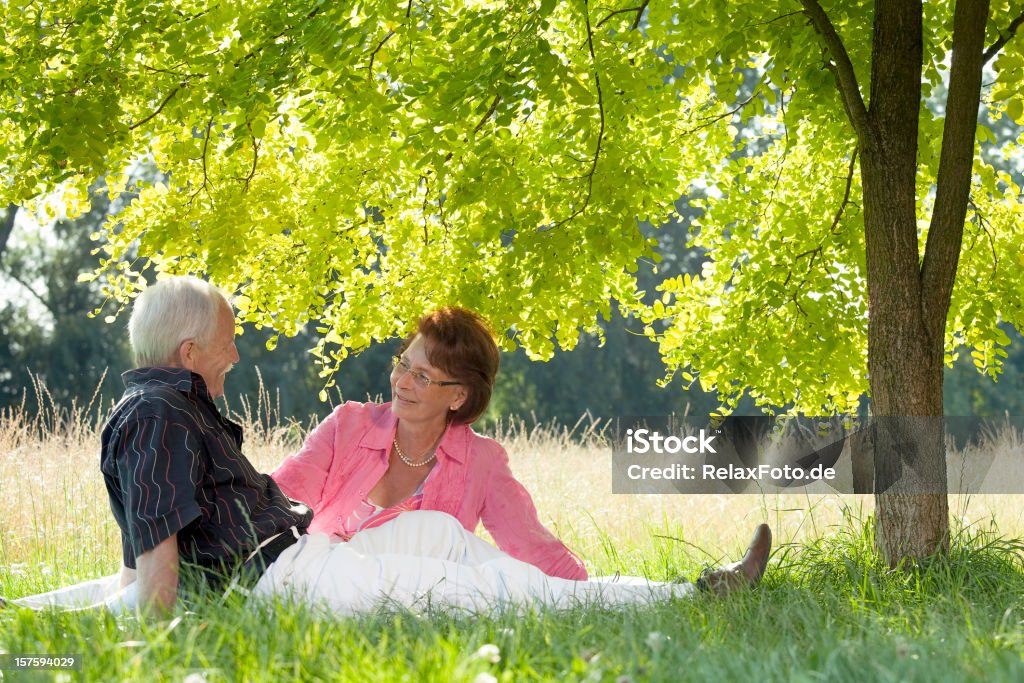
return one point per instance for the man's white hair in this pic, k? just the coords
(169, 312)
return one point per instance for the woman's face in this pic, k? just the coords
(414, 402)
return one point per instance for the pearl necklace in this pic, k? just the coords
(411, 463)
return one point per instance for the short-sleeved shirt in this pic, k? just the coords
(173, 464)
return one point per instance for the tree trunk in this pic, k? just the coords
(908, 296)
(905, 373)
(862, 458)
(905, 361)
(7, 226)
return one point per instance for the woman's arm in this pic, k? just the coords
(511, 518)
(302, 475)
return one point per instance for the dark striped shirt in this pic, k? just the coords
(174, 465)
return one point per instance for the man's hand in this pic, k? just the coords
(157, 571)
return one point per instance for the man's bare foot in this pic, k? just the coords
(743, 574)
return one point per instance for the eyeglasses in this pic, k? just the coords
(401, 366)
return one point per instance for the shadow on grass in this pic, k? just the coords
(982, 567)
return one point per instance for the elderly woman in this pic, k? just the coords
(367, 463)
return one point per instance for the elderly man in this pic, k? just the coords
(179, 486)
(183, 494)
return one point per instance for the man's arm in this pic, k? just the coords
(158, 576)
(127, 576)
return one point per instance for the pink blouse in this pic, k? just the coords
(345, 457)
(367, 514)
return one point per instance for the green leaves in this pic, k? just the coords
(354, 166)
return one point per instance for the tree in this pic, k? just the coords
(355, 165)
(7, 226)
(75, 357)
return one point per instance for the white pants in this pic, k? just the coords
(419, 559)
(103, 592)
(427, 558)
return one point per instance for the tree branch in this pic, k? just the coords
(373, 54)
(255, 157)
(28, 288)
(846, 194)
(813, 253)
(7, 226)
(785, 152)
(206, 177)
(177, 74)
(772, 21)
(956, 160)
(1004, 38)
(184, 84)
(796, 302)
(715, 119)
(192, 17)
(206, 147)
(983, 224)
(440, 213)
(160, 108)
(274, 38)
(600, 132)
(639, 9)
(489, 114)
(846, 77)
(819, 251)
(423, 209)
(639, 15)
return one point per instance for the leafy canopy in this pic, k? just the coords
(354, 164)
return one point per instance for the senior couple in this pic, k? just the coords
(379, 505)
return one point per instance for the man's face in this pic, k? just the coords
(213, 360)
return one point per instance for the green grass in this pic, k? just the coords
(827, 611)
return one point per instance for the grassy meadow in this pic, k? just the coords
(826, 611)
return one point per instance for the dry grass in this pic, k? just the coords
(54, 515)
(569, 473)
(828, 612)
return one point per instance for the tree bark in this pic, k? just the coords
(7, 226)
(905, 373)
(907, 302)
(862, 458)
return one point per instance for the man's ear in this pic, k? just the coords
(186, 354)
